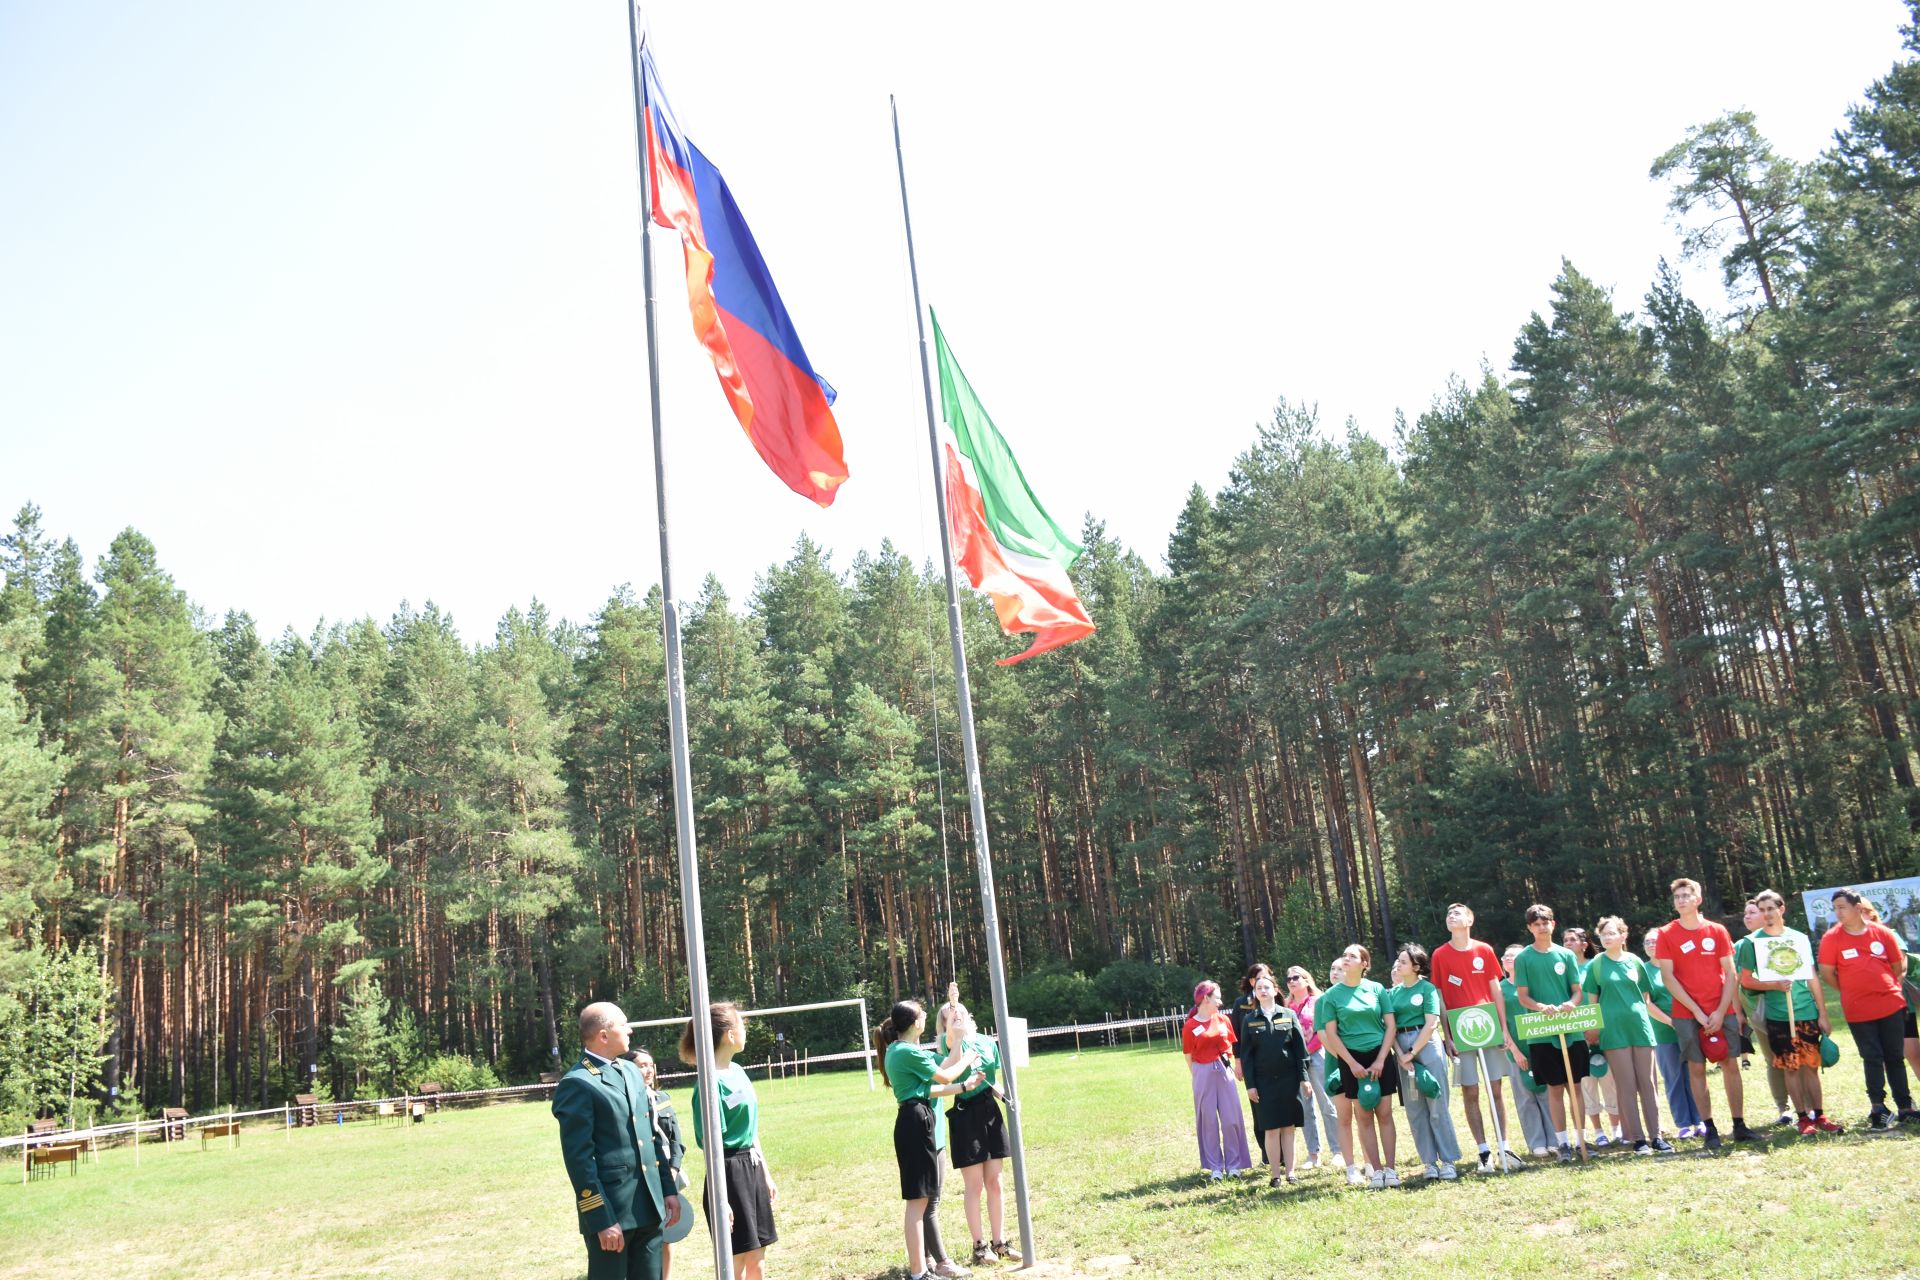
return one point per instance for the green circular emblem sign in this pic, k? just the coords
(1476, 1029)
(1782, 960)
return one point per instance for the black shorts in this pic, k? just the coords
(913, 1150)
(1350, 1080)
(750, 1199)
(976, 1132)
(1911, 1032)
(1543, 1059)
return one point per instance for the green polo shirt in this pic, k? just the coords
(1512, 998)
(1773, 1004)
(1662, 1033)
(910, 1073)
(1411, 1005)
(739, 1109)
(1359, 1012)
(1549, 976)
(989, 1054)
(1618, 986)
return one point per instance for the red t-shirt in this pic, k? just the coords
(1867, 967)
(1207, 1041)
(1696, 955)
(1465, 977)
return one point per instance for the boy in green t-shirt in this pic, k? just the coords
(1546, 979)
(1793, 1011)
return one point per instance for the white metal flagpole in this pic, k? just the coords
(983, 855)
(706, 1098)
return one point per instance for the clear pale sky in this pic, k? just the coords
(340, 304)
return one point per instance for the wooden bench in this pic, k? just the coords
(41, 1159)
(173, 1124)
(219, 1129)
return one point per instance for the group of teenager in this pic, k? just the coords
(1333, 1062)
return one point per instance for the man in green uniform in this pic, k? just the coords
(620, 1165)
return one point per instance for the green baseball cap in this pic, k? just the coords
(1829, 1051)
(1369, 1092)
(1597, 1065)
(1425, 1081)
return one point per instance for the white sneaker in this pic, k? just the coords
(1428, 1172)
(1309, 1164)
(1599, 1140)
(951, 1270)
(1542, 1153)
(1378, 1180)
(1214, 1175)
(1511, 1162)
(1448, 1172)
(1356, 1176)
(1389, 1178)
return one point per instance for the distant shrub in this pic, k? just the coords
(1054, 996)
(1141, 986)
(456, 1073)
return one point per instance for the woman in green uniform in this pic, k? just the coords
(917, 1075)
(1273, 1056)
(1621, 983)
(750, 1189)
(977, 1131)
(1355, 1028)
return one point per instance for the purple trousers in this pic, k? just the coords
(1218, 1116)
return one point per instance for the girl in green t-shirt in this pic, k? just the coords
(977, 1131)
(750, 1189)
(1356, 1030)
(1415, 1004)
(1621, 984)
(917, 1074)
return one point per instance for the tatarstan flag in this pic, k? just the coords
(1004, 539)
(783, 405)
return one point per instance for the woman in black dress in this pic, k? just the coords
(1274, 1060)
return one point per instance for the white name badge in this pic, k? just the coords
(1454, 978)
(1419, 1000)
(1878, 948)
(1685, 948)
(1707, 945)
(1559, 966)
(1479, 963)
(1851, 953)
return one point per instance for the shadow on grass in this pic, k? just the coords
(1250, 1192)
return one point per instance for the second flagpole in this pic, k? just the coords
(705, 1096)
(976, 798)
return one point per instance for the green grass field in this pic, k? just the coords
(1116, 1190)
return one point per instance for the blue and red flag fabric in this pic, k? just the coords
(783, 405)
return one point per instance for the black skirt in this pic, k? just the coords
(913, 1149)
(1279, 1106)
(750, 1200)
(976, 1131)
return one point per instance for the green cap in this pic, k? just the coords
(1533, 1086)
(1829, 1051)
(1333, 1076)
(1425, 1081)
(1369, 1092)
(1597, 1065)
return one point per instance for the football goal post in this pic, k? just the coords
(866, 1040)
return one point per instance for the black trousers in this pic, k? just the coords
(639, 1260)
(1881, 1054)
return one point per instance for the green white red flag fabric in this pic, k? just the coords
(1003, 538)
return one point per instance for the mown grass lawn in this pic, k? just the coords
(481, 1194)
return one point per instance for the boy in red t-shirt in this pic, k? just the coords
(1863, 960)
(1696, 961)
(1467, 972)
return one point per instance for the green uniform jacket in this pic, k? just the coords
(1275, 1054)
(620, 1165)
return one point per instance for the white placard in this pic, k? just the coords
(1013, 1042)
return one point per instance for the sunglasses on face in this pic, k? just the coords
(1296, 977)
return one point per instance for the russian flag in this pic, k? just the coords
(783, 405)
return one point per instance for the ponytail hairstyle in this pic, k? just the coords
(897, 1024)
(1575, 940)
(1355, 953)
(1252, 976)
(726, 1019)
(1417, 957)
